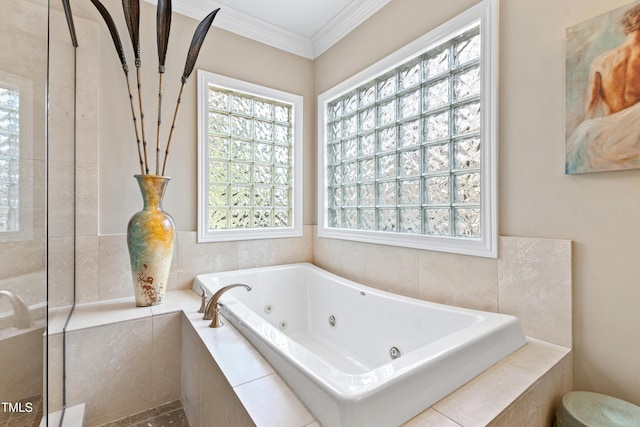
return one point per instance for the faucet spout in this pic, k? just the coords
(213, 308)
(20, 310)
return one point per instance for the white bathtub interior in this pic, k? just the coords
(337, 342)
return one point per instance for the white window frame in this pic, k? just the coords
(486, 14)
(204, 233)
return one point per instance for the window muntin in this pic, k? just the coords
(407, 147)
(250, 144)
(9, 158)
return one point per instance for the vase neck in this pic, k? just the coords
(152, 188)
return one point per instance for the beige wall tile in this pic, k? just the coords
(191, 367)
(393, 269)
(207, 397)
(198, 258)
(430, 418)
(114, 271)
(61, 198)
(443, 280)
(167, 357)
(87, 55)
(86, 219)
(342, 257)
(263, 397)
(482, 399)
(266, 252)
(536, 408)
(237, 359)
(219, 405)
(113, 366)
(54, 371)
(87, 269)
(61, 271)
(534, 284)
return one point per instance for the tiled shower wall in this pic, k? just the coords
(73, 157)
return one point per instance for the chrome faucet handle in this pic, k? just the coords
(212, 310)
(20, 309)
(203, 304)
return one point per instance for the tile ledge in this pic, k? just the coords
(119, 310)
(521, 374)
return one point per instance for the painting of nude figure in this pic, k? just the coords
(603, 92)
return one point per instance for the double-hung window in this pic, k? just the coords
(407, 148)
(250, 158)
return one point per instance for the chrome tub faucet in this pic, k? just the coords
(20, 310)
(213, 307)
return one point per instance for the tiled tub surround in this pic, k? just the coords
(145, 357)
(121, 359)
(226, 382)
(531, 279)
(104, 287)
(343, 371)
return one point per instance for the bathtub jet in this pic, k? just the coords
(355, 355)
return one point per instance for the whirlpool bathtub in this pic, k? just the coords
(357, 356)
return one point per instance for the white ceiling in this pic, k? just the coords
(303, 27)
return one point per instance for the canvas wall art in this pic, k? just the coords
(603, 92)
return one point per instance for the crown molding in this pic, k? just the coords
(245, 25)
(346, 21)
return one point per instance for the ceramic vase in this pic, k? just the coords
(150, 238)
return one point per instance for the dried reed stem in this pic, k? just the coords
(173, 125)
(144, 139)
(135, 122)
(159, 123)
(117, 44)
(163, 28)
(192, 56)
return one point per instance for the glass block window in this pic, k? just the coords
(9, 157)
(248, 160)
(407, 153)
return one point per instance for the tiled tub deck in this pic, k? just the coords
(222, 380)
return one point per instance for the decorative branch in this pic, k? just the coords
(120, 51)
(131, 9)
(192, 56)
(163, 27)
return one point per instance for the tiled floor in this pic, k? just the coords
(30, 416)
(167, 415)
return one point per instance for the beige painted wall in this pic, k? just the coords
(536, 199)
(597, 211)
